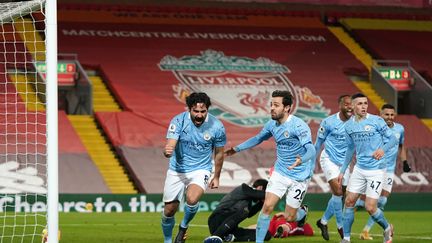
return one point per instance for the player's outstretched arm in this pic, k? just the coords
(218, 158)
(229, 152)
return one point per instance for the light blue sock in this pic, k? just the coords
(189, 214)
(328, 213)
(337, 206)
(382, 201)
(300, 214)
(167, 227)
(262, 227)
(360, 203)
(379, 218)
(369, 224)
(348, 220)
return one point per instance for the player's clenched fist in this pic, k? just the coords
(168, 151)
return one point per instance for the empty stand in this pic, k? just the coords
(396, 40)
(77, 172)
(130, 50)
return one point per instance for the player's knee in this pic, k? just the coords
(267, 209)
(370, 208)
(170, 208)
(169, 212)
(192, 201)
(350, 202)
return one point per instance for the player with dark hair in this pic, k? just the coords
(331, 133)
(370, 137)
(388, 113)
(293, 167)
(192, 138)
(241, 203)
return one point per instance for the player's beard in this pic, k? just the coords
(277, 116)
(389, 122)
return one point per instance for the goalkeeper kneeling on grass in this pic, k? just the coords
(244, 202)
(241, 203)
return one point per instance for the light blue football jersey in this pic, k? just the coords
(367, 136)
(391, 155)
(290, 138)
(332, 132)
(195, 145)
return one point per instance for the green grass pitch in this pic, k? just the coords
(145, 227)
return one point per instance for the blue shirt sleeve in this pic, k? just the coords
(348, 154)
(321, 136)
(402, 136)
(220, 139)
(303, 133)
(310, 153)
(174, 129)
(386, 132)
(257, 139)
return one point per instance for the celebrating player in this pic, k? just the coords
(388, 113)
(192, 138)
(332, 134)
(370, 137)
(293, 166)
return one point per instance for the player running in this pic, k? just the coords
(192, 138)
(331, 133)
(293, 167)
(370, 137)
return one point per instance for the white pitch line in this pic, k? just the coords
(397, 236)
(205, 226)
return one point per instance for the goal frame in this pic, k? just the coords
(52, 119)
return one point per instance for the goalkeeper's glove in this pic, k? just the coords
(406, 167)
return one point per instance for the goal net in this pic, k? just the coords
(23, 122)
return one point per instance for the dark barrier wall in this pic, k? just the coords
(140, 203)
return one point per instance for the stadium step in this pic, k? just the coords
(428, 123)
(366, 88)
(25, 88)
(34, 42)
(386, 24)
(102, 155)
(103, 101)
(352, 46)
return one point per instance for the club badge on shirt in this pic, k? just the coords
(207, 136)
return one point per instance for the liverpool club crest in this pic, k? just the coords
(240, 87)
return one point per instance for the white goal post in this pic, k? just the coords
(28, 122)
